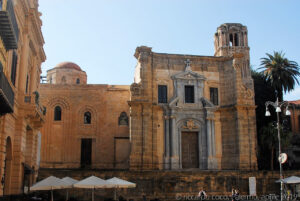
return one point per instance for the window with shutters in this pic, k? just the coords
(189, 94)
(162, 94)
(214, 95)
(14, 68)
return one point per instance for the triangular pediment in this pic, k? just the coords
(206, 103)
(188, 75)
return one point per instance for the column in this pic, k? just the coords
(174, 145)
(211, 143)
(208, 131)
(213, 137)
(167, 143)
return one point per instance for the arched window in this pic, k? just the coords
(57, 113)
(123, 119)
(230, 40)
(87, 118)
(236, 40)
(77, 81)
(63, 79)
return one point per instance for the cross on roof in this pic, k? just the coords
(187, 65)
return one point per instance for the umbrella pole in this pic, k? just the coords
(93, 199)
(115, 194)
(51, 194)
(67, 197)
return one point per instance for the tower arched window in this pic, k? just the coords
(57, 113)
(87, 118)
(230, 40)
(236, 40)
(77, 81)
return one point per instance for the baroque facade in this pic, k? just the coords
(192, 111)
(21, 115)
(181, 112)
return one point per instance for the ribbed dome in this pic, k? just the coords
(69, 65)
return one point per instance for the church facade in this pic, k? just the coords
(87, 125)
(181, 112)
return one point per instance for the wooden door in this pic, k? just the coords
(190, 150)
(86, 153)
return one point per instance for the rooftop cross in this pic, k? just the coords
(188, 65)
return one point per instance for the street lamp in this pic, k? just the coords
(277, 106)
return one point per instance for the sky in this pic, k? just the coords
(101, 35)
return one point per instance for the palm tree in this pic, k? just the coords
(281, 72)
(269, 139)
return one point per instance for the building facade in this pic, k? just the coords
(181, 112)
(21, 114)
(87, 125)
(295, 116)
(192, 111)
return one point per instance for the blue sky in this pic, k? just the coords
(101, 35)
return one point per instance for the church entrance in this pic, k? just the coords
(190, 150)
(86, 153)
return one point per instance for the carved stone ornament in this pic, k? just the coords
(246, 92)
(136, 89)
(190, 125)
(188, 65)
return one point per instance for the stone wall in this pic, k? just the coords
(166, 185)
(61, 140)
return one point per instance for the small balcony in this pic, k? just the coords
(9, 31)
(34, 110)
(6, 96)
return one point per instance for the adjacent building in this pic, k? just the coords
(87, 125)
(295, 116)
(21, 115)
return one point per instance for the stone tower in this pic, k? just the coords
(231, 40)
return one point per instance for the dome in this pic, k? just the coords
(68, 65)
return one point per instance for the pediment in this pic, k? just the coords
(206, 103)
(188, 75)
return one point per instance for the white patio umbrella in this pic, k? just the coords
(50, 183)
(290, 180)
(93, 182)
(71, 182)
(120, 183)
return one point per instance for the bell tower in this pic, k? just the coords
(231, 38)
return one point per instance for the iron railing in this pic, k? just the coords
(6, 95)
(29, 99)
